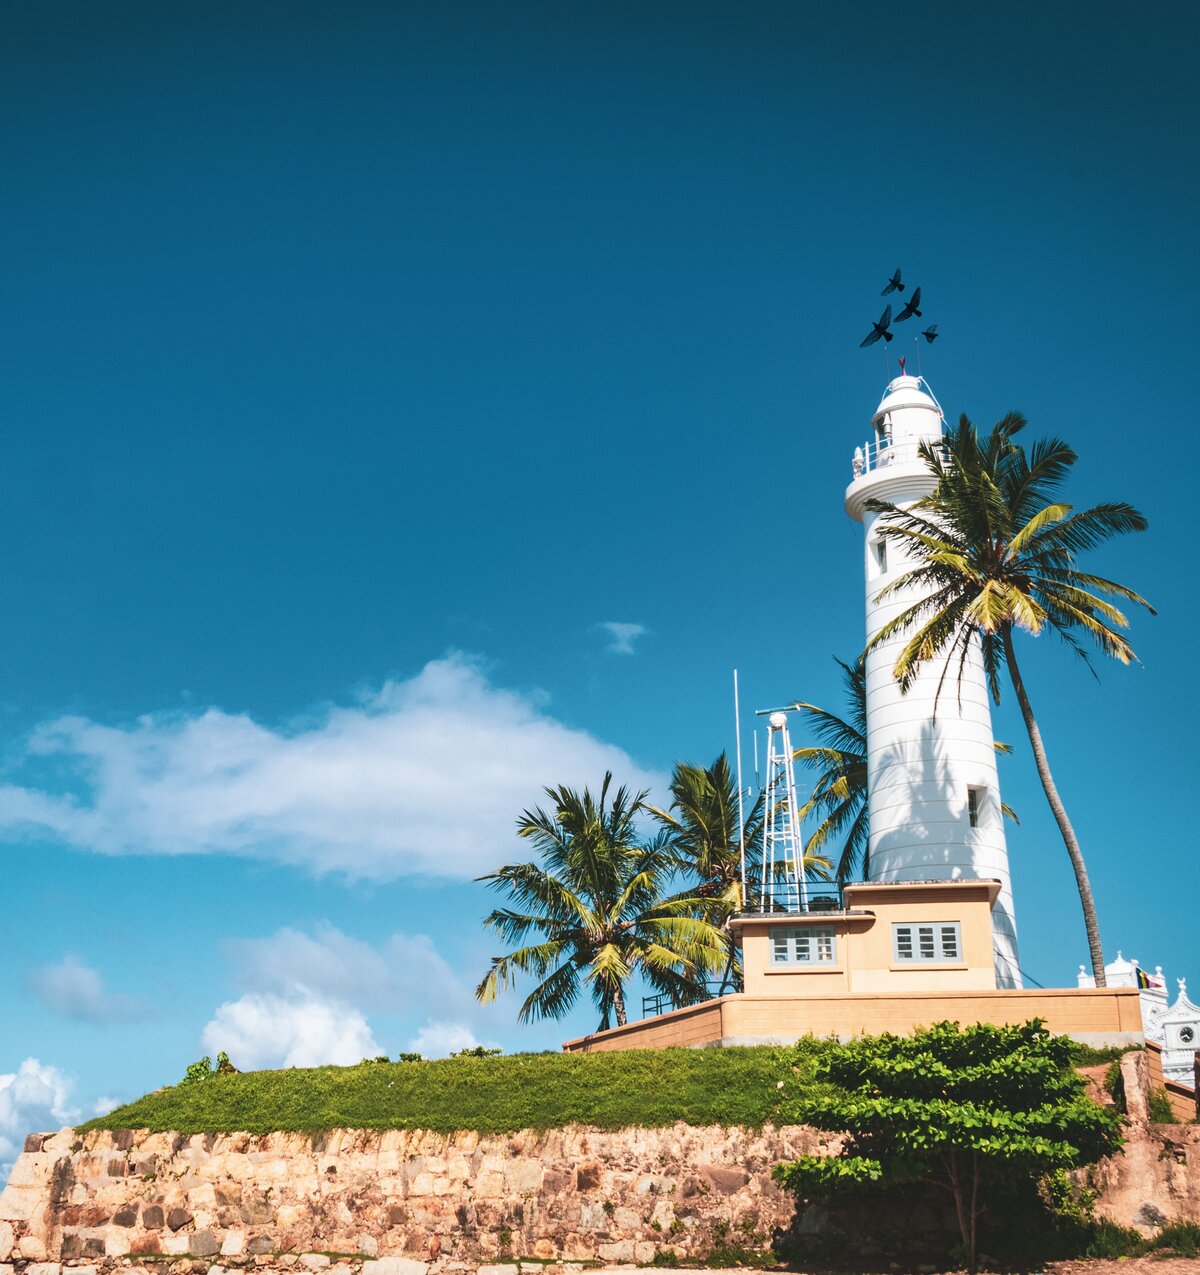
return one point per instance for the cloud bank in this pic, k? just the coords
(422, 776)
(75, 991)
(33, 1099)
(304, 997)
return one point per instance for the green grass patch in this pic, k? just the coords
(646, 1087)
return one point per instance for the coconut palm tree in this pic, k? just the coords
(703, 833)
(598, 900)
(840, 789)
(996, 554)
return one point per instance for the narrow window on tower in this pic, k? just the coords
(880, 549)
(975, 806)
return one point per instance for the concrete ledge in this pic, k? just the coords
(1093, 1015)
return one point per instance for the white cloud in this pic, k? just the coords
(33, 1099)
(301, 1031)
(76, 991)
(304, 996)
(622, 636)
(423, 776)
(437, 1040)
(407, 973)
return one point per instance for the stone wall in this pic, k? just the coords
(568, 1194)
(413, 1202)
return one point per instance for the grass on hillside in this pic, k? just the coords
(651, 1088)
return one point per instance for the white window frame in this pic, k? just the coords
(977, 797)
(803, 945)
(927, 943)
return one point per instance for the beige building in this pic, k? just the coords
(887, 956)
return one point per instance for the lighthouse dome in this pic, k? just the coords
(908, 413)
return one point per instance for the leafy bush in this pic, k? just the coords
(478, 1052)
(1161, 1111)
(409, 1058)
(201, 1069)
(1182, 1238)
(976, 1112)
(1114, 1082)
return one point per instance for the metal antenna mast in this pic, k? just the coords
(783, 844)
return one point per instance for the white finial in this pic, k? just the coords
(778, 721)
(1182, 986)
(1119, 956)
(1158, 971)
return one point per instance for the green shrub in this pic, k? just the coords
(1161, 1111)
(1114, 1082)
(1113, 1241)
(201, 1069)
(1181, 1238)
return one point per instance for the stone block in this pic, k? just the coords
(7, 1239)
(504, 1269)
(177, 1219)
(125, 1217)
(176, 1245)
(32, 1248)
(314, 1261)
(619, 1251)
(261, 1245)
(726, 1181)
(35, 1141)
(43, 1268)
(204, 1244)
(116, 1242)
(234, 1243)
(399, 1266)
(153, 1217)
(644, 1252)
(587, 1177)
(144, 1245)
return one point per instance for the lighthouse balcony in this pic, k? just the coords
(886, 453)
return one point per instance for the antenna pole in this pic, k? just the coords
(737, 726)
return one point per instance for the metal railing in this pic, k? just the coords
(664, 1002)
(792, 897)
(877, 455)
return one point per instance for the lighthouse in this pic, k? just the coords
(932, 789)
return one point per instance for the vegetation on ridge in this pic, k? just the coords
(648, 1088)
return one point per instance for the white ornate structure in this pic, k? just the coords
(1176, 1029)
(933, 793)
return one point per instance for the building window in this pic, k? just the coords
(975, 806)
(927, 944)
(879, 548)
(803, 945)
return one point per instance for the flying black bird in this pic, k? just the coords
(911, 307)
(894, 284)
(878, 330)
(930, 334)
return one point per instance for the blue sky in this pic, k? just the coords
(360, 364)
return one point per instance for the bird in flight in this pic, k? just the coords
(894, 284)
(931, 333)
(911, 306)
(879, 329)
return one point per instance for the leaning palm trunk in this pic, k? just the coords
(1091, 924)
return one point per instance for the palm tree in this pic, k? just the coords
(598, 901)
(703, 833)
(840, 789)
(996, 553)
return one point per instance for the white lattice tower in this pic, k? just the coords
(783, 846)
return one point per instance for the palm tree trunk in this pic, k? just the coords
(619, 1004)
(1091, 924)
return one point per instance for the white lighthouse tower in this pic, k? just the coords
(933, 793)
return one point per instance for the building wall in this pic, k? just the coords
(1097, 1016)
(864, 958)
(1184, 1099)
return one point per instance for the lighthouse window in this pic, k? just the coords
(927, 944)
(975, 798)
(880, 549)
(803, 945)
